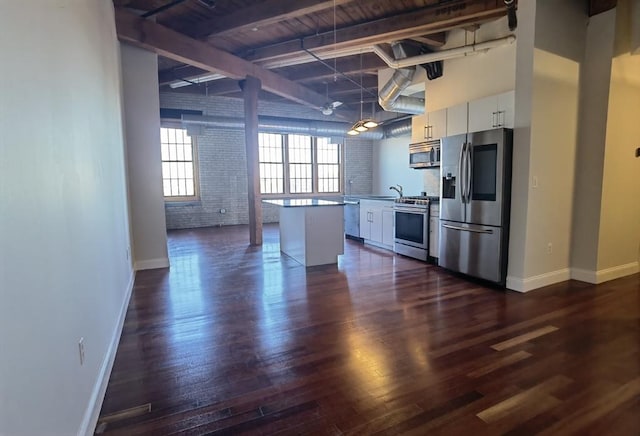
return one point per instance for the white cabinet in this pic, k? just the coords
(376, 222)
(418, 125)
(434, 230)
(491, 112)
(436, 126)
(457, 119)
(387, 226)
(432, 125)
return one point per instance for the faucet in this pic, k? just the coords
(398, 189)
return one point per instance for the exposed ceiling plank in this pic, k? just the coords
(317, 72)
(174, 45)
(599, 6)
(259, 15)
(310, 72)
(434, 40)
(425, 21)
(186, 72)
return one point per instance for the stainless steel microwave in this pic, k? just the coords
(425, 154)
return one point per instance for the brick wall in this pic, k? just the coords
(222, 163)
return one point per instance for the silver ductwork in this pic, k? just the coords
(299, 126)
(389, 96)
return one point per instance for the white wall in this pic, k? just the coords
(142, 119)
(391, 167)
(545, 143)
(594, 103)
(472, 77)
(619, 246)
(63, 216)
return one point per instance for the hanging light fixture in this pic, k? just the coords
(363, 124)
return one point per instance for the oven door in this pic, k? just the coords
(412, 227)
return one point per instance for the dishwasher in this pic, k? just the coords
(352, 217)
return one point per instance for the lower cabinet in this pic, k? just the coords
(376, 222)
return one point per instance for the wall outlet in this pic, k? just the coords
(128, 253)
(549, 248)
(81, 350)
(534, 182)
(223, 210)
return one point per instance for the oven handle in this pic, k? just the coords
(409, 210)
(464, 229)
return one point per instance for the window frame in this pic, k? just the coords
(194, 161)
(314, 169)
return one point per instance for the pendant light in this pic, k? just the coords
(363, 124)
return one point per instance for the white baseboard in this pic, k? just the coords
(584, 275)
(604, 275)
(535, 282)
(92, 413)
(162, 262)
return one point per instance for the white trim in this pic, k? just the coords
(584, 275)
(535, 282)
(92, 413)
(604, 275)
(162, 262)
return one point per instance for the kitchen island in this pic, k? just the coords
(311, 229)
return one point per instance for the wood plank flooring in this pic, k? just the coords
(243, 340)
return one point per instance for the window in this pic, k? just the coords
(298, 164)
(178, 164)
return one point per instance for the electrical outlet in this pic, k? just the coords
(81, 350)
(223, 210)
(128, 253)
(549, 248)
(534, 182)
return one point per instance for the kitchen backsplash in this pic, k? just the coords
(431, 179)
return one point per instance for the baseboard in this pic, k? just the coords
(162, 262)
(539, 281)
(92, 412)
(604, 275)
(584, 275)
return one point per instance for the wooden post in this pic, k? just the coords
(250, 89)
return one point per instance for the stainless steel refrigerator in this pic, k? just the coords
(475, 202)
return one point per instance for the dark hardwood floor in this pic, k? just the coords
(243, 340)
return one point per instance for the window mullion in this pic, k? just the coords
(285, 160)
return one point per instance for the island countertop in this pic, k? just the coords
(302, 202)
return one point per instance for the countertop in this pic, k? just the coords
(303, 202)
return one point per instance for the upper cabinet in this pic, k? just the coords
(474, 116)
(432, 125)
(457, 118)
(491, 112)
(418, 128)
(436, 124)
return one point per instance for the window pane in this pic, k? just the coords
(177, 163)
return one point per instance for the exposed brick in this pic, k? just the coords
(222, 163)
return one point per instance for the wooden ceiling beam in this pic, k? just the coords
(259, 15)
(425, 21)
(316, 71)
(174, 45)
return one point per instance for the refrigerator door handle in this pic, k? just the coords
(461, 171)
(469, 170)
(464, 229)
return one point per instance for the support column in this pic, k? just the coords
(250, 89)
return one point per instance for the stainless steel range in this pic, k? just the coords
(412, 227)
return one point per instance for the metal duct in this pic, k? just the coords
(399, 128)
(301, 127)
(282, 125)
(389, 96)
